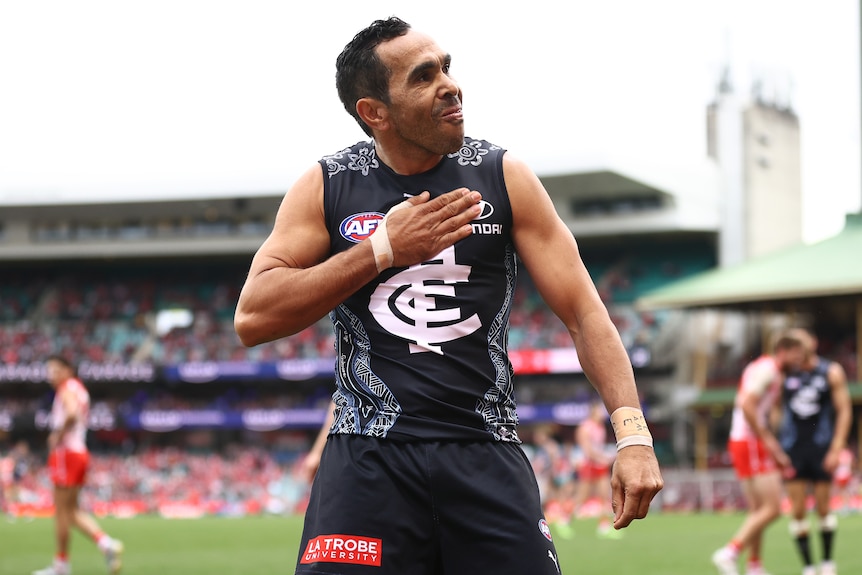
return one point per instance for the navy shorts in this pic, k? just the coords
(385, 507)
(807, 461)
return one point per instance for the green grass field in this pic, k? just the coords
(661, 544)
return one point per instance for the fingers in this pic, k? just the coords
(618, 498)
(419, 199)
(630, 505)
(643, 505)
(459, 206)
(624, 512)
(455, 208)
(635, 481)
(830, 462)
(431, 225)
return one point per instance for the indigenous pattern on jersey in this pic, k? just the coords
(762, 378)
(421, 351)
(76, 438)
(809, 415)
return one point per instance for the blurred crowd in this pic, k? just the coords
(164, 480)
(116, 321)
(243, 479)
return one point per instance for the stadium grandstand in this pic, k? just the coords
(142, 295)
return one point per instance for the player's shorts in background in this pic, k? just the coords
(807, 461)
(750, 457)
(68, 468)
(842, 475)
(590, 471)
(385, 507)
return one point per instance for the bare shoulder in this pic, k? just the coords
(546, 246)
(521, 181)
(532, 207)
(836, 374)
(305, 195)
(299, 236)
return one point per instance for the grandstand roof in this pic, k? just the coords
(826, 268)
(598, 183)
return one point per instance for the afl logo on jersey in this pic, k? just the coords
(545, 529)
(359, 227)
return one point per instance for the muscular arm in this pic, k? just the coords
(550, 254)
(843, 414)
(755, 384)
(749, 401)
(293, 281)
(549, 251)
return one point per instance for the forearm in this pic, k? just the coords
(755, 424)
(843, 422)
(322, 435)
(605, 361)
(279, 300)
(843, 406)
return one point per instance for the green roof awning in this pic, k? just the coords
(828, 268)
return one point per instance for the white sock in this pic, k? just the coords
(61, 565)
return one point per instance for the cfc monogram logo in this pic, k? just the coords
(411, 303)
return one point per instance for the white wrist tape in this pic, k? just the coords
(380, 246)
(634, 440)
(630, 427)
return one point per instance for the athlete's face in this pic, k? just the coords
(791, 359)
(56, 372)
(425, 102)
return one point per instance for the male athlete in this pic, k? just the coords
(757, 456)
(594, 468)
(13, 466)
(817, 415)
(409, 243)
(67, 463)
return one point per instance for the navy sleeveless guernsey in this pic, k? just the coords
(421, 351)
(809, 415)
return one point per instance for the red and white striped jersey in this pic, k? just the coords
(762, 378)
(76, 438)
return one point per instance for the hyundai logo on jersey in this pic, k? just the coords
(487, 210)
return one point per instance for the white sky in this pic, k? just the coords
(107, 100)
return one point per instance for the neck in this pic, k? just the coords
(405, 160)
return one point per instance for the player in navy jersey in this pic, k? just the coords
(409, 242)
(816, 421)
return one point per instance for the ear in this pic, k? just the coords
(374, 113)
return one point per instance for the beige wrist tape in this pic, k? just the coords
(630, 427)
(380, 246)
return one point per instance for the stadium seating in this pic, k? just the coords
(107, 317)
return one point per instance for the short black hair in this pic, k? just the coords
(359, 73)
(787, 340)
